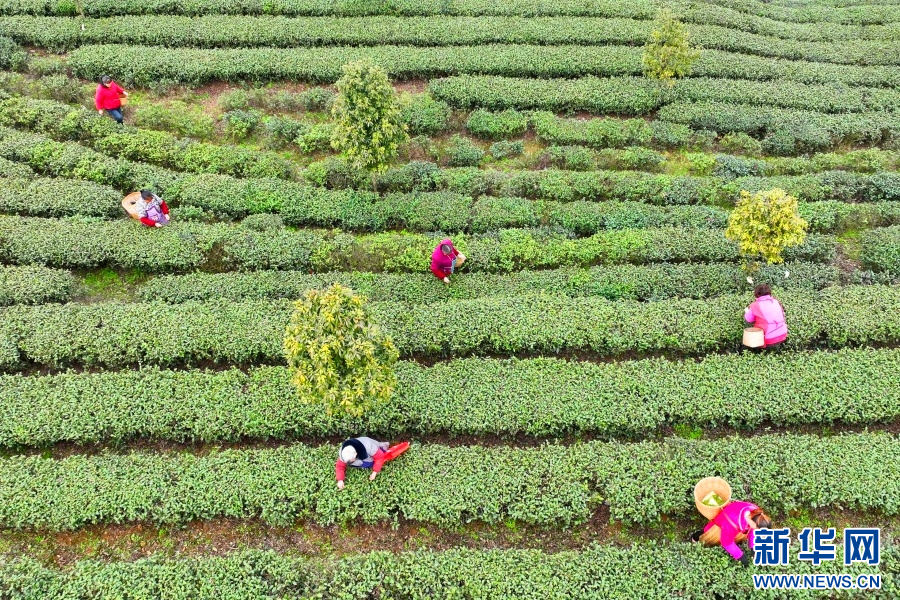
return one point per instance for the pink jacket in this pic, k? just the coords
(440, 262)
(734, 519)
(767, 314)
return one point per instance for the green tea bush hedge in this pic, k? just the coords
(43, 197)
(628, 282)
(652, 570)
(156, 147)
(84, 243)
(245, 332)
(493, 126)
(881, 249)
(474, 396)
(34, 285)
(14, 170)
(449, 485)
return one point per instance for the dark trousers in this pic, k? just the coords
(115, 113)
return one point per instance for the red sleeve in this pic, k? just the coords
(378, 462)
(438, 273)
(339, 470)
(117, 88)
(454, 251)
(164, 207)
(148, 221)
(97, 98)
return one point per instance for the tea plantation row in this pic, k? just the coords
(323, 65)
(548, 485)
(121, 335)
(259, 244)
(476, 396)
(63, 34)
(826, 24)
(652, 571)
(626, 282)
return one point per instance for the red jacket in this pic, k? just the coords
(377, 461)
(734, 519)
(108, 98)
(150, 222)
(441, 263)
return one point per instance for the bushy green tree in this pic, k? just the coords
(369, 126)
(669, 53)
(765, 223)
(337, 357)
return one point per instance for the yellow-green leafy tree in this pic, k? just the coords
(669, 53)
(369, 128)
(336, 355)
(765, 223)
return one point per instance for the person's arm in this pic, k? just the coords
(727, 538)
(117, 88)
(340, 470)
(148, 221)
(164, 207)
(748, 315)
(97, 99)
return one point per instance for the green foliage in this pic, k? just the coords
(336, 356)
(740, 143)
(315, 138)
(244, 332)
(506, 149)
(283, 484)
(368, 118)
(647, 569)
(43, 197)
(11, 55)
(423, 115)
(881, 249)
(626, 282)
(492, 126)
(34, 285)
(765, 223)
(463, 152)
(176, 116)
(240, 124)
(508, 397)
(668, 54)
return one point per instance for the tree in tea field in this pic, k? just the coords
(368, 117)
(336, 356)
(765, 223)
(669, 53)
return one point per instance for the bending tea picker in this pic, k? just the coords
(445, 259)
(147, 207)
(730, 522)
(767, 315)
(365, 453)
(110, 97)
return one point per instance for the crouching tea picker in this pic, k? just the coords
(730, 522)
(365, 453)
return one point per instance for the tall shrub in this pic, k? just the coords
(669, 53)
(368, 117)
(336, 356)
(765, 223)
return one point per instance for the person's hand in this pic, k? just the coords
(446, 280)
(373, 476)
(100, 111)
(746, 559)
(341, 485)
(157, 224)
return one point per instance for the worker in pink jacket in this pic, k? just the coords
(445, 259)
(736, 518)
(767, 314)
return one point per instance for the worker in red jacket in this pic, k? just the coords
(109, 98)
(445, 259)
(365, 453)
(152, 210)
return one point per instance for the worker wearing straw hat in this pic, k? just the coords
(365, 453)
(736, 520)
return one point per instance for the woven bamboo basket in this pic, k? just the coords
(129, 203)
(754, 337)
(704, 487)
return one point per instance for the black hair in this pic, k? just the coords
(762, 289)
(761, 519)
(146, 194)
(445, 248)
(105, 79)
